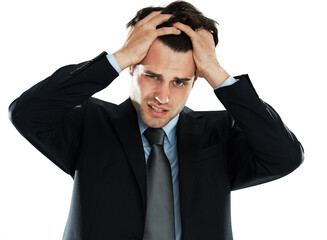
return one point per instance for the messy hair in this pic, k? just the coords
(182, 12)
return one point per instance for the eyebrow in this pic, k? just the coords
(160, 76)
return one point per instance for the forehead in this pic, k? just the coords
(162, 60)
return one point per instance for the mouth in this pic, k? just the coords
(156, 111)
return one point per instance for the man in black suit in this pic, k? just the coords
(103, 146)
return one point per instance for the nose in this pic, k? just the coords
(162, 94)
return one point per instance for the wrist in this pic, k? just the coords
(122, 59)
(216, 75)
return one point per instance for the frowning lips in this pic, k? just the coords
(157, 108)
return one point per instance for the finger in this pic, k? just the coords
(149, 17)
(130, 33)
(185, 28)
(204, 32)
(167, 31)
(159, 19)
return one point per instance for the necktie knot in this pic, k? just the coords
(155, 136)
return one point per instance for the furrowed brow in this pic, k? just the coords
(160, 76)
(152, 73)
(183, 79)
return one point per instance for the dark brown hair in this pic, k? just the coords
(185, 13)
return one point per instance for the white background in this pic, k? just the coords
(281, 45)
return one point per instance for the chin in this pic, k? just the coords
(156, 123)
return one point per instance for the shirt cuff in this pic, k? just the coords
(229, 81)
(113, 62)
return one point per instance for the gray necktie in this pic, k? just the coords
(159, 221)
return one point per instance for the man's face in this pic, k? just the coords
(161, 84)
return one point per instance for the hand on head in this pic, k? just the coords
(140, 38)
(202, 40)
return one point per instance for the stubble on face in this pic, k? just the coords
(155, 94)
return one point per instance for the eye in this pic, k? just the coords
(152, 76)
(179, 83)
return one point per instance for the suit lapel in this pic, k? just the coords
(127, 128)
(189, 130)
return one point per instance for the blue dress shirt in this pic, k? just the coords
(170, 148)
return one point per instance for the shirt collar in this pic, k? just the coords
(169, 128)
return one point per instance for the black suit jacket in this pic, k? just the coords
(99, 145)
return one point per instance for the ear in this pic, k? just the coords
(195, 78)
(130, 68)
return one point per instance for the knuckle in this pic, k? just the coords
(150, 34)
(196, 38)
(164, 30)
(137, 24)
(142, 28)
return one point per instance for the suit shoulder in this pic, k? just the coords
(213, 114)
(214, 117)
(217, 117)
(95, 107)
(96, 103)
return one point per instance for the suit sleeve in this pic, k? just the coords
(260, 146)
(50, 114)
